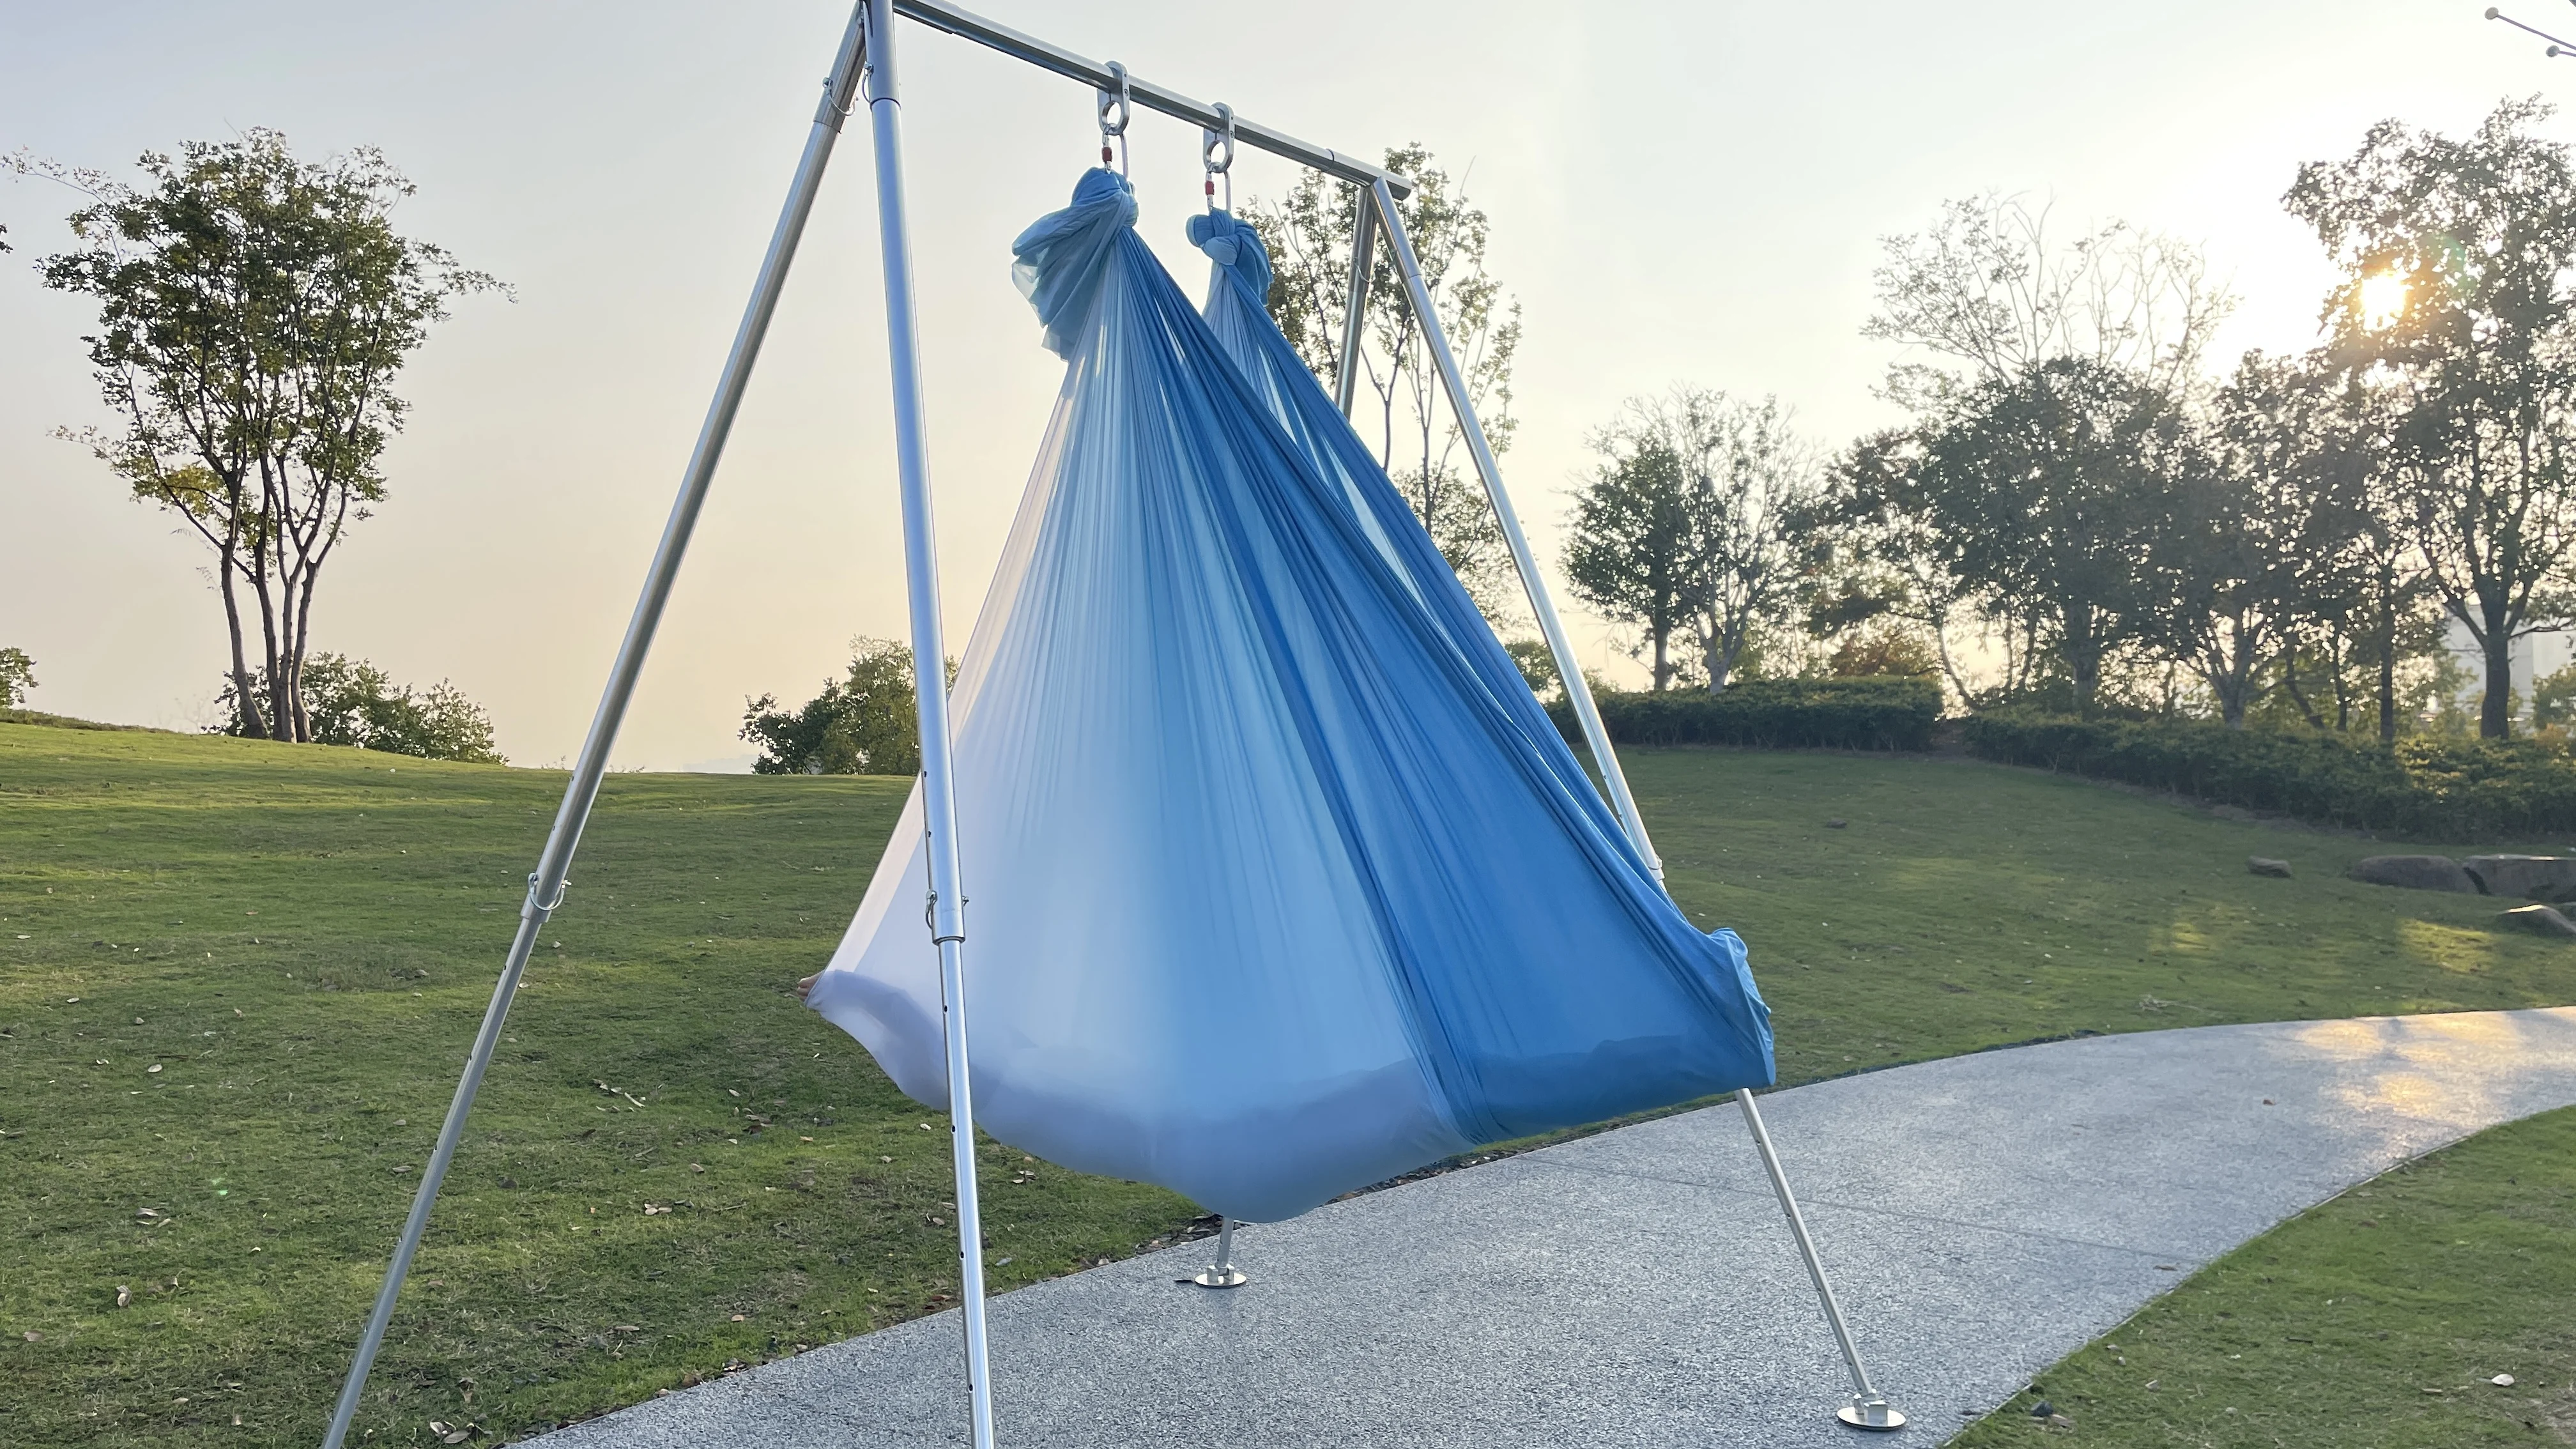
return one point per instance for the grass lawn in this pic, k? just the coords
(302, 939)
(2380, 1318)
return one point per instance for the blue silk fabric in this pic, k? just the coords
(1279, 882)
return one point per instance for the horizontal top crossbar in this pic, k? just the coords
(942, 16)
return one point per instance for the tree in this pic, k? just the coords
(17, 676)
(1990, 294)
(2459, 295)
(2250, 545)
(2042, 492)
(254, 310)
(1419, 441)
(352, 702)
(862, 725)
(1749, 495)
(1889, 561)
(1631, 547)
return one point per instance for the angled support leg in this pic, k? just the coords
(930, 681)
(1346, 384)
(1867, 1409)
(546, 885)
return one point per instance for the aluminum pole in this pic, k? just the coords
(1866, 1410)
(930, 692)
(1019, 45)
(1222, 1273)
(546, 885)
(1346, 386)
(1577, 692)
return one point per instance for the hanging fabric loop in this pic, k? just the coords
(1216, 152)
(1117, 108)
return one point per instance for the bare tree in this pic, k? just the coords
(1308, 235)
(1990, 293)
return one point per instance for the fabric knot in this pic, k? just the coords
(1059, 261)
(1231, 243)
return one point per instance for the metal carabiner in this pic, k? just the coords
(1116, 110)
(1216, 153)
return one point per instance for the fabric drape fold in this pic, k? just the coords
(1280, 883)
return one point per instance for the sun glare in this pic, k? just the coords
(2381, 300)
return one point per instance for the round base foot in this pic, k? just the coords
(1228, 1276)
(1873, 1415)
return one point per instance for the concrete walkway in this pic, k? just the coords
(1983, 1216)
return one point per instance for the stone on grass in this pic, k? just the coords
(2416, 872)
(2531, 877)
(2264, 865)
(2541, 920)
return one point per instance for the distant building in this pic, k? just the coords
(2540, 655)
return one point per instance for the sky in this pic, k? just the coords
(1678, 193)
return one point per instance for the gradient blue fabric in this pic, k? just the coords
(1274, 890)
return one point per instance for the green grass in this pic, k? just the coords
(2378, 1319)
(1966, 905)
(308, 1049)
(302, 940)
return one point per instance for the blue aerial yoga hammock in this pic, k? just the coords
(1275, 888)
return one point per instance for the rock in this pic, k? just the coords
(2261, 865)
(2416, 872)
(1836, 824)
(2531, 877)
(2542, 920)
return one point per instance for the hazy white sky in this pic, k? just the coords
(1678, 192)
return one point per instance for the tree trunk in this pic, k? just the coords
(2290, 682)
(2083, 657)
(246, 712)
(1719, 649)
(2339, 659)
(1941, 643)
(1663, 662)
(2495, 708)
(2388, 676)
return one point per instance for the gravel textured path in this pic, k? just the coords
(1983, 1216)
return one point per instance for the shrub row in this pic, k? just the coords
(2432, 788)
(1832, 714)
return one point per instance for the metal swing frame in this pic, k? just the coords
(865, 63)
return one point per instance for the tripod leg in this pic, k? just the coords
(546, 886)
(1868, 1408)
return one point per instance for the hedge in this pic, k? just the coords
(2431, 788)
(1832, 714)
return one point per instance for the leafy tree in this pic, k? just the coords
(17, 676)
(1632, 544)
(1750, 496)
(1889, 562)
(254, 310)
(2043, 493)
(1884, 652)
(1537, 664)
(1419, 442)
(2459, 297)
(860, 725)
(2553, 699)
(2255, 543)
(1984, 299)
(352, 702)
